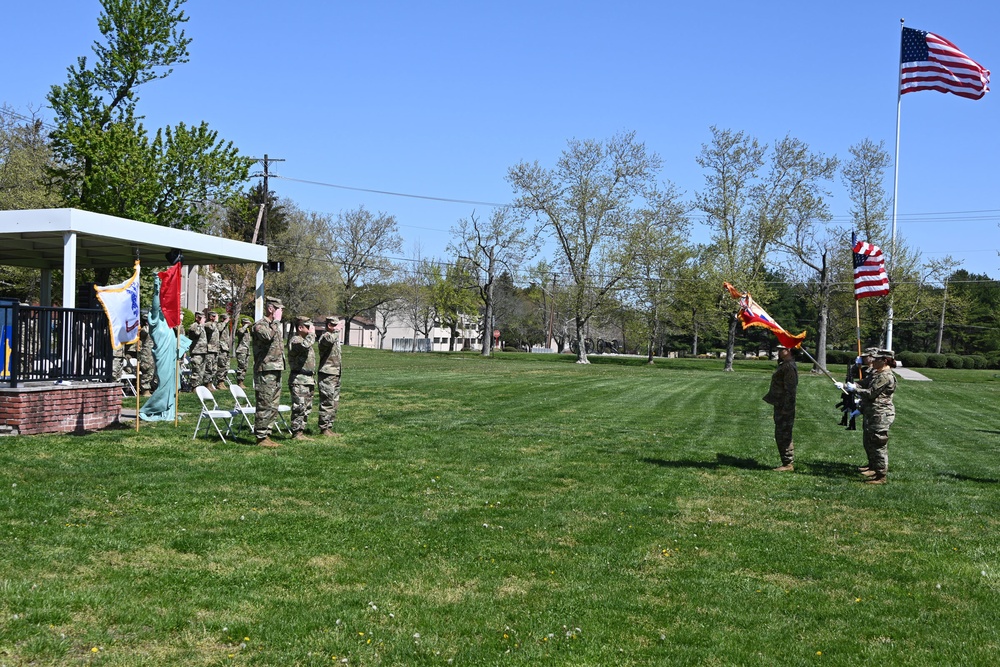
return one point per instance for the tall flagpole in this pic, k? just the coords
(895, 182)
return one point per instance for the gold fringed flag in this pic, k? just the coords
(121, 304)
(752, 315)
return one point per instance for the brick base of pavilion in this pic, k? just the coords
(69, 408)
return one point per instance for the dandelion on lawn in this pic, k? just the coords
(94, 650)
(819, 652)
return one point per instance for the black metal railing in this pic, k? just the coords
(54, 344)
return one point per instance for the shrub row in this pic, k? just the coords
(925, 359)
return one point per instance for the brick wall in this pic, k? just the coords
(59, 408)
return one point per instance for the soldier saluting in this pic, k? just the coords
(268, 363)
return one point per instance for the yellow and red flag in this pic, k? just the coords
(752, 315)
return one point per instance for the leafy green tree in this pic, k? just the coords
(660, 241)
(24, 158)
(454, 296)
(310, 284)
(243, 210)
(106, 160)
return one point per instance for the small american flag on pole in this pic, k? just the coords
(870, 278)
(930, 62)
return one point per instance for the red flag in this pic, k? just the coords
(931, 62)
(870, 278)
(752, 315)
(170, 295)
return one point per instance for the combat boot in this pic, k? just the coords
(267, 442)
(299, 435)
(869, 473)
(787, 467)
(327, 433)
(879, 478)
(241, 385)
(863, 468)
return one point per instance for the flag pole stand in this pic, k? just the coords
(138, 382)
(895, 184)
(177, 379)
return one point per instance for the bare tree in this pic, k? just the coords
(490, 247)
(361, 242)
(587, 203)
(747, 199)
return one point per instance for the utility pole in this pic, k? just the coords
(266, 161)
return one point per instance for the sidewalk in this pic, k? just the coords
(909, 374)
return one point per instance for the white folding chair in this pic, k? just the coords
(210, 410)
(127, 377)
(242, 408)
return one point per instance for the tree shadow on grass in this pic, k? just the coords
(968, 478)
(721, 461)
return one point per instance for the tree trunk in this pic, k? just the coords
(731, 342)
(694, 324)
(488, 321)
(581, 354)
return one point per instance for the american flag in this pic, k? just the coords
(930, 62)
(870, 278)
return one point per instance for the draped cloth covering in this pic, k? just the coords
(161, 405)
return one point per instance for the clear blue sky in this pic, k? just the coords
(439, 99)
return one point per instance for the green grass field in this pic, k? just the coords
(521, 510)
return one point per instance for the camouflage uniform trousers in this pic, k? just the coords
(221, 367)
(302, 402)
(876, 439)
(267, 385)
(147, 371)
(329, 399)
(783, 424)
(242, 361)
(197, 369)
(209, 374)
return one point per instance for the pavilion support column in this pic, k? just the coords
(45, 288)
(69, 270)
(258, 301)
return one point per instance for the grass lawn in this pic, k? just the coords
(521, 510)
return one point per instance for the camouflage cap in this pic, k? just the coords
(302, 321)
(209, 311)
(332, 319)
(199, 314)
(273, 302)
(885, 354)
(870, 352)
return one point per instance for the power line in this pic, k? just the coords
(393, 194)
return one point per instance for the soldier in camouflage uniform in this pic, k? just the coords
(329, 375)
(784, 385)
(242, 349)
(876, 393)
(301, 374)
(198, 350)
(147, 362)
(212, 356)
(222, 360)
(268, 362)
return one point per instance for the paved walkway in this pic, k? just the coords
(910, 374)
